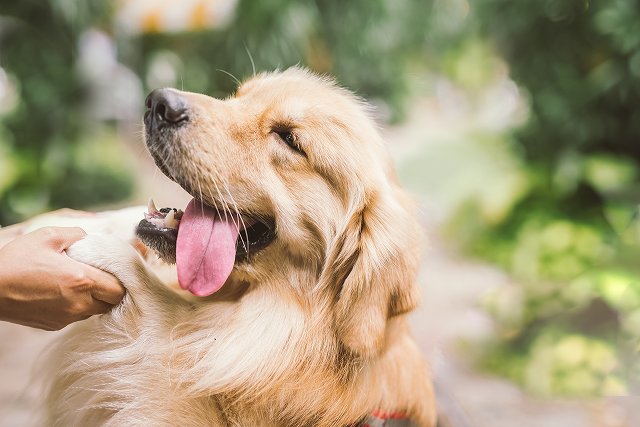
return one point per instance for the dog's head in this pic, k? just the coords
(293, 187)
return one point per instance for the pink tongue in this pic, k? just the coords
(206, 249)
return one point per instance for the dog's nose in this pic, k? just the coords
(167, 106)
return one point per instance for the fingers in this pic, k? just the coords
(67, 236)
(104, 286)
(97, 307)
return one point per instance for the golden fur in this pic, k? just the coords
(312, 330)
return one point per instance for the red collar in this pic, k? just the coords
(385, 419)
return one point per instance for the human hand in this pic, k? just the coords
(41, 287)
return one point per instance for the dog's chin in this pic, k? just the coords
(161, 240)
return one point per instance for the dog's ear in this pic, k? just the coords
(372, 264)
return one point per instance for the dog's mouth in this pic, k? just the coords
(204, 242)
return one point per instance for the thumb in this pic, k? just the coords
(62, 237)
(105, 287)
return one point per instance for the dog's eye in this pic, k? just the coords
(290, 139)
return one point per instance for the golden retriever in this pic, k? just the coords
(302, 251)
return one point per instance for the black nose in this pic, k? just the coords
(166, 107)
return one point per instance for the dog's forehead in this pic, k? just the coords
(286, 104)
(294, 108)
(294, 93)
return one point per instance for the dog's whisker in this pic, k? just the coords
(244, 226)
(235, 79)
(215, 204)
(225, 202)
(253, 65)
(219, 197)
(226, 209)
(155, 172)
(163, 156)
(201, 199)
(240, 220)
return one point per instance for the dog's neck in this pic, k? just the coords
(330, 399)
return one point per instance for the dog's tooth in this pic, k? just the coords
(170, 219)
(152, 207)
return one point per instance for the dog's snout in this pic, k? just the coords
(166, 107)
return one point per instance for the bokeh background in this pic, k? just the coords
(515, 123)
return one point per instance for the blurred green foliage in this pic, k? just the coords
(573, 237)
(368, 44)
(40, 138)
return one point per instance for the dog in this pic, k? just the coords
(297, 259)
